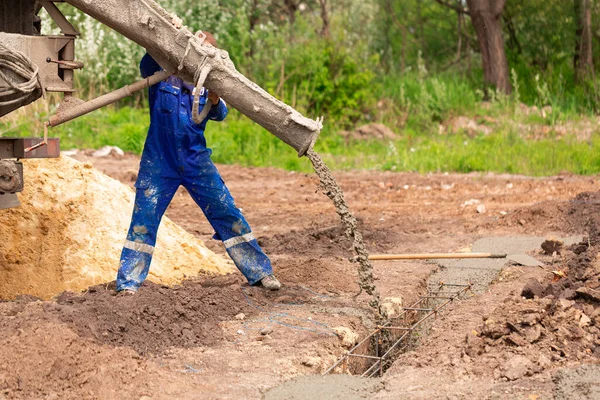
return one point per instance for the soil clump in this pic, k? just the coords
(557, 318)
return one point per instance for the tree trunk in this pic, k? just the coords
(583, 58)
(324, 18)
(486, 17)
(291, 6)
(253, 19)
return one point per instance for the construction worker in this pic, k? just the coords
(175, 154)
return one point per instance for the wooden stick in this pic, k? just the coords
(431, 256)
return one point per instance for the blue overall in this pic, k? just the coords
(175, 154)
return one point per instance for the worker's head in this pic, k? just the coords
(210, 39)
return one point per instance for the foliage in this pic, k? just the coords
(411, 64)
(240, 141)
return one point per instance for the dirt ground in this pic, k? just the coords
(219, 338)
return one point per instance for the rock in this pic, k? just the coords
(468, 125)
(349, 337)
(565, 303)
(588, 294)
(266, 331)
(544, 362)
(551, 246)
(515, 340)
(392, 306)
(481, 209)
(532, 289)
(568, 294)
(494, 329)
(530, 319)
(584, 320)
(517, 367)
(311, 361)
(533, 334)
(240, 316)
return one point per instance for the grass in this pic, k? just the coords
(240, 141)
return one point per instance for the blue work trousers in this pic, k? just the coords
(210, 193)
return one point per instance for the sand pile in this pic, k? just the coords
(69, 231)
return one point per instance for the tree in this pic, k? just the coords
(486, 17)
(583, 58)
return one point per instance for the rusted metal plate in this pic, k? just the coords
(15, 148)
(9, 200)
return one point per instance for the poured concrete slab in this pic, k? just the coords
(328, 387)
(481, 272)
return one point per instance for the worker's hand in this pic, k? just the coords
(213, 97)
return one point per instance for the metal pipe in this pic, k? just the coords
(77, 111)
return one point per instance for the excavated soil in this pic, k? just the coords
(69, 231)
(215, 337)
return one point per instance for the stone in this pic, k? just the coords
(240, 316)
(565, 303)
(348, 337)
(533, 334)
(532, 289)
(266, 331)
(311, 361)
(544, 362)
(515, 339)
(584, 320)
(392, 306)
(517, 367)
(589, 294)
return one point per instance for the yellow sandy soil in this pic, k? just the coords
(68, 234)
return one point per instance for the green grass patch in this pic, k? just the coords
(240, 141)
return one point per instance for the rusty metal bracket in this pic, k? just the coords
(29, 148)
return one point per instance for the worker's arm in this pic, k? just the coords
(148, 66)
(218, 111)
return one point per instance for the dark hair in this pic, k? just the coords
(210, 39)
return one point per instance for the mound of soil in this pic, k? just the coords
(69, 232)
(557, 320)
(573, 216)
(159, 317)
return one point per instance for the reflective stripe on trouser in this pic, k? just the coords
(213, 197)
(149, 207)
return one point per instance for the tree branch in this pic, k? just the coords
(453, 6)
(399, 25)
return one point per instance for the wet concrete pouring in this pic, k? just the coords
(216, 337)
(335, 193)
